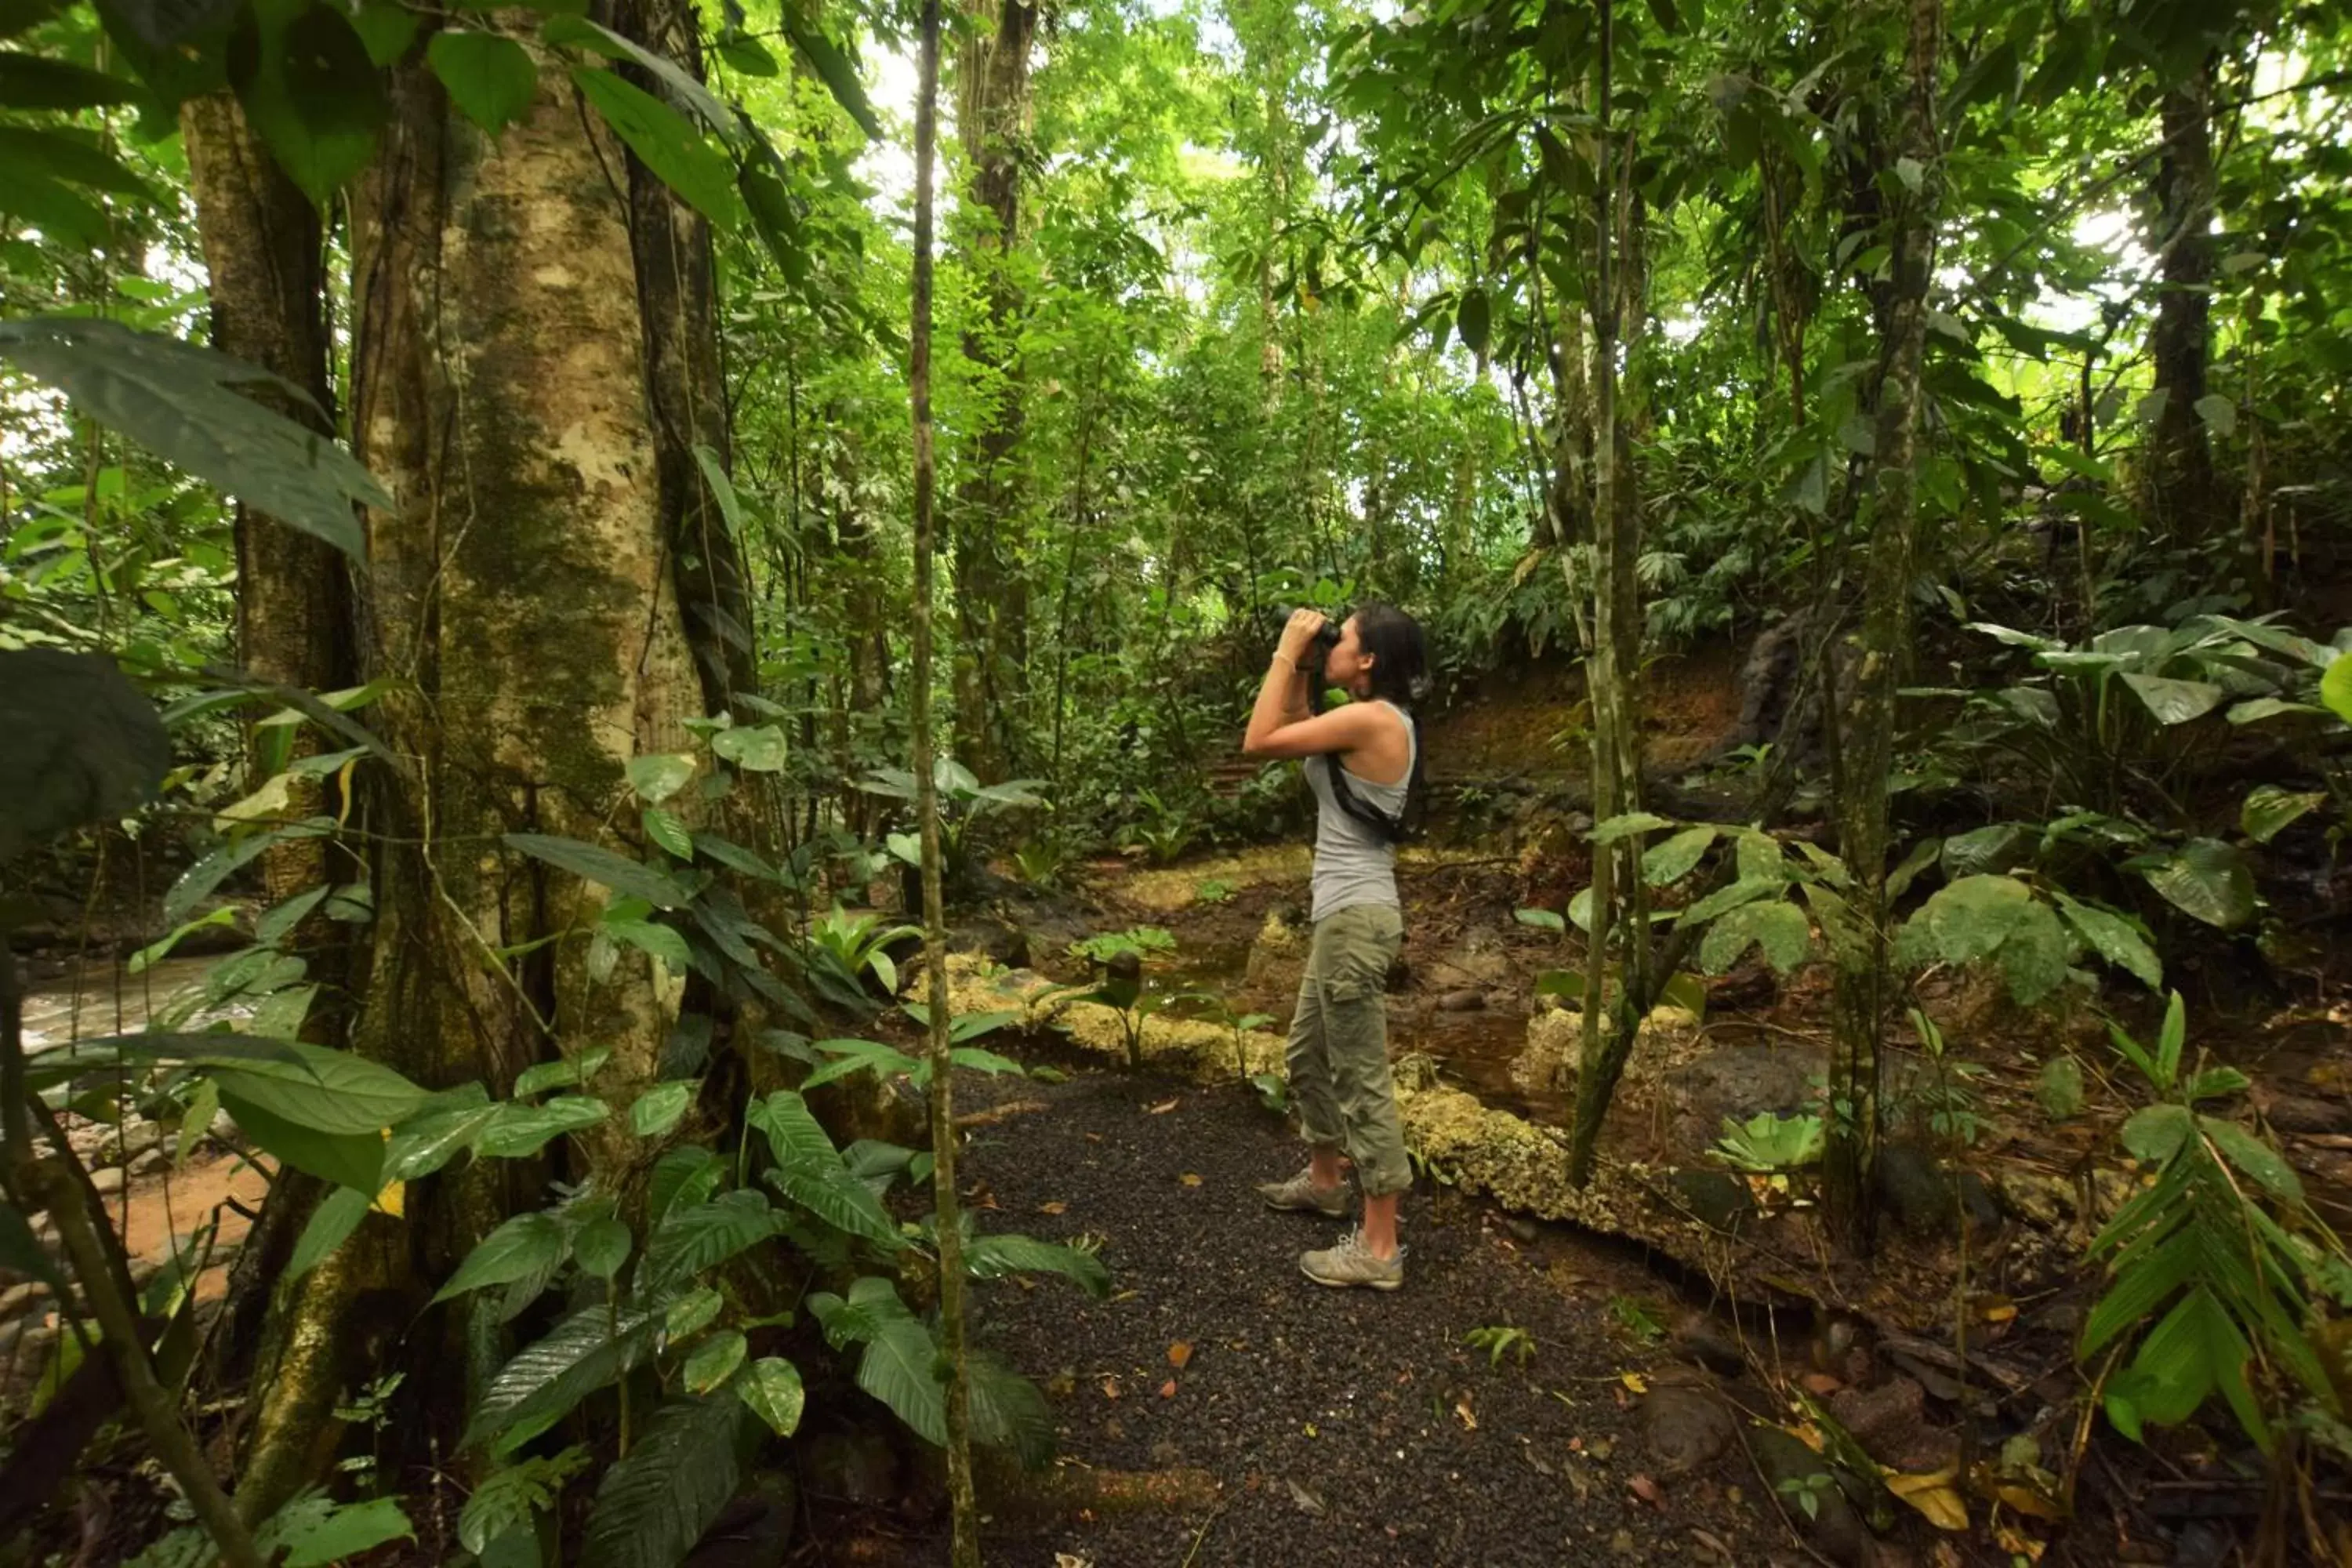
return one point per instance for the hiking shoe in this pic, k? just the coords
(1300, 1192)
(1352, 1263)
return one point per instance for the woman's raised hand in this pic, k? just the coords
(1298, 633)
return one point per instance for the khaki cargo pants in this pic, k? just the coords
(1339, 1050)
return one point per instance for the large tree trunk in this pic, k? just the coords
(524, 600)
(991, 588)
(1868, 739)
(2181, 489)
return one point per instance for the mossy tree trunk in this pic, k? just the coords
(532, 369)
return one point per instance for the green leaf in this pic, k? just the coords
(994, 1257)
(793, 1133)
(347, 1532)
(198, 881)
(2114, 938)
(328, 1090)
(1779, 928)
(567, 1073)
(665, 143)
(1672, 859)
(2219, 411)
(2335, 686)
(178, 401)
(631, 878)
(581, 1355)
(331, 1222)
(204, 1106)
(1542, 919)
(1976, 917)
(491, 78)
(663, 941)
(661, 1108)
(2175, 701)
(1472, 319)
(311, 88)
(691, 1240)
(1010, 1412)
(749, 57)
(83, 744)
(2059, 1088)
(691, 1314)
(603, 1246)
(714, 1361)
(842, 1201)
(348, 1159)
(658, 775)
(1725, 900)
(65, 155)
(2269, 810)
(37, 81)
(683, 1177)
(678, 83)
(735, 858)
(1996, 848)
(2255, 1158)
(758, 749)
(1628, 825)
(836, 69)
(511, 1496)
(2209, 880)
(771, 1387)
(531, 1245)
(521, 1131)
(2156, 1133)
(656, 1502)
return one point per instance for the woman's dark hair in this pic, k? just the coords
(1399, 675)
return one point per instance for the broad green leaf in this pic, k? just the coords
(1542, 919)
(658, 775)
(1779, 928)
(521, 1131)
(568, 1073)
(1472, 319)
(348, 1530)
(331, 1222)
(2175, 701)
(327, 1090)
(691, 1314)
(665, 829)
(2157, 1133)
(691, 1240)
(735, 858)
(348, 1159)
(530, 1244)
(678, 83)
(793, 1133)
(83, 744)
(310, 87)
(842, 1201)
(685, 1175)
(994, 1257)
(749, 57)
(2335, 686)
(37, 81)
(493, 80)
(661, 1108)
(2219, 411)
(513, 1496)
(901, 1368)
(656, 1502)
(771, 1387)
(714, 1361)
(2114, 938)
(1724, 900)
(1996, 848)
(1672, 859)
(1628, 825)
(602, 1246)
(2209, 880)
(582, 1354)
(665, 142)
(1010, 1412)
(631, 878)
(662, 941)
(758, 749)
(2269, 810)
(2251, 1156)
(836, 69)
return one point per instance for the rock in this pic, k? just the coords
(2039, 1198)
(1000, 942)
(1479, 961)
(106, 1179)
(1554, 1046)
(1702, 1339)
(858, 1467)
(1926, 1200)
(1890, 1423)
(1466, 1000)
(1790, 1467)
(147, 1161)
(1741, 1081)
(2201, 1543)
(1523, 1229)
(1716, 1199)
(1686, 1427)
(2301, 1113)
(18, 1298)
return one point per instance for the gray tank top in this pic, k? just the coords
(1354, 865)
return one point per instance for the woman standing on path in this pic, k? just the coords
(1362, 761)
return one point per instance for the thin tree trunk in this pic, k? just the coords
(265, 267)
(992, 586)
(1866, 737)
(962, 1505)
(2182, 491)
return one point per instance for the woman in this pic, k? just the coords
(1364, 758)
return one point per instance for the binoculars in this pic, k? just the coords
(1327, 636)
